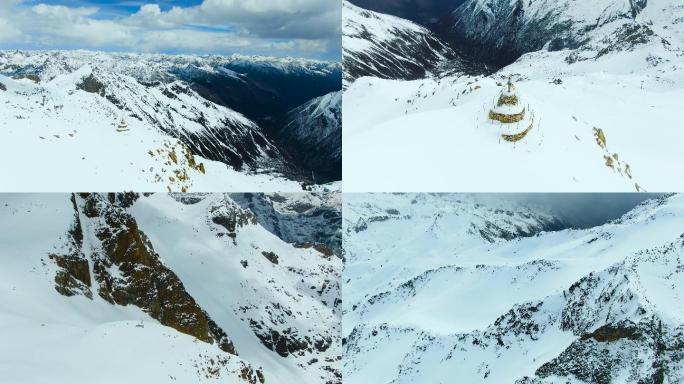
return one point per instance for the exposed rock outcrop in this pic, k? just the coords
(127, 270)
(91, 84)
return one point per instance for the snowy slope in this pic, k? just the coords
(388, 47)
(313, 136)
(599, 305)
(625, 80)
(191, 283)
(68, 104)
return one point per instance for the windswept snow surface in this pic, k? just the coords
(434, 134)
(445, 288)
(50, 337)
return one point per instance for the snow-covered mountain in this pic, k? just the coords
(159, 67)
(422, 12)
(438, 287)
(70, 103)
(306, 219)
(389, 47)
(313, 136)
(164, 288)
(615, 78)
(501, 31)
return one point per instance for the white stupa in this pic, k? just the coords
(510, 115)
(122, 126)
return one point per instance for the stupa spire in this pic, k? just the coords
(511, 114)
(122, 126)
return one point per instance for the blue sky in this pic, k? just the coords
(299, 28)
(111, 8)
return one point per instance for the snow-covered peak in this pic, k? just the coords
(150, 67)
(386, 46)
(380, 26)
(313, 136)
(324, 105)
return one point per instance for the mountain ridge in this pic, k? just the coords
(558, 302)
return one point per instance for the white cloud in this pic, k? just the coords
(8, 33)
(62, 12)
(310, 19)
(59, 25)
(151, 16)
(282, 18)
(299, 27)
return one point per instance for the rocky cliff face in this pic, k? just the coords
(127, 270)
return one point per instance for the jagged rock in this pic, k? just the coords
(322, 248)
(29, 76)
(288, 342)
(91, 84)
(599, 356)
(74, 276)
(90, 208)
(148, 283)
(270, 256)
(252, 376)
(231, 218)
(141, 279)
(124, 200)
(610, 332)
